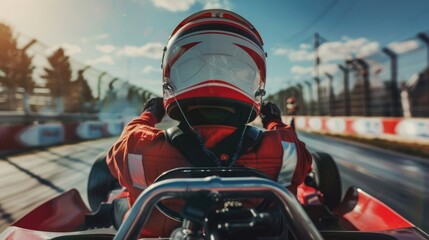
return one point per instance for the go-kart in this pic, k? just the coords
(221, 203)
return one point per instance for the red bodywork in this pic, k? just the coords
(364, 212)
(358, 212)
(63, 213)
(369, 214)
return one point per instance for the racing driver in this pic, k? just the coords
(214, 74)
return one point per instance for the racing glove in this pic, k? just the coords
(156, 107)
(269, 112)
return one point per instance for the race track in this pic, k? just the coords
(27, 180)
(399, 180)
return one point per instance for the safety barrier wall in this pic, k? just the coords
(26, 136)
(397, 129)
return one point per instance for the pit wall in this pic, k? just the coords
(16, 137)
(410, 130)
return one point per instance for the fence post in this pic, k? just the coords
(363, 67)
(366, 87)
(99, 85)
(26, 78)
(346, 89)
(59, 99)
(425, 39)
(311, 105)
(330, 94)
(394, 91)
(301, 98)
(81, 79)
(319, 103)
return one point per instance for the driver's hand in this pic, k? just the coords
(156, 107)
(269, 112)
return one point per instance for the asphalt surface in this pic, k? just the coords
(400, 181)
(27, 180)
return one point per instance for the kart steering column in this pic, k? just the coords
(194, 213)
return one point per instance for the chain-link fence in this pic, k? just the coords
(36, 79)
(392, 82)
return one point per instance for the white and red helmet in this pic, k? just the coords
(214, 57)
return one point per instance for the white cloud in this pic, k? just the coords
(281, 51)
(69, 49)
(347, 48)
(300, 70)
(95, 38)
(368, 49)
(323, 68)
(105, 48)
(185, 5)
(332, 51)
(403, 47)
(210, 4)
(328, 68)
(151, 69)
(304, 46)
(295, 55)
(149, 50)
(301, 55)
(174, 5)
(106, 59)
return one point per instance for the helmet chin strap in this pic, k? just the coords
(217, 161)
(170, 90)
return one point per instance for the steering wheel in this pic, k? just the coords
(194, 172)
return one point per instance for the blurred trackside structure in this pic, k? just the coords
(391, 85)
(39, 81)
(47, 97)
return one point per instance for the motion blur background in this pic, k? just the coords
(75, 70)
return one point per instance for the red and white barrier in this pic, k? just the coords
(21, 136)
(398, 129)
(42, 135)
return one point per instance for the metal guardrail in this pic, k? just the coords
(393, 82)
(36, 79)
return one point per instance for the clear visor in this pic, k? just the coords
(236, 69)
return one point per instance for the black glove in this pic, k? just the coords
(269, 112)
(156, 107)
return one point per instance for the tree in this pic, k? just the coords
(8, 50)
(58, 79)
(82, 98)
(15, 66)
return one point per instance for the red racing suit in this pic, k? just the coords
(142, 153)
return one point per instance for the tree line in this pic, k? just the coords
(17, 83)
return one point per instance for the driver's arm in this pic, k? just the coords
(134, 134)
(271, 120)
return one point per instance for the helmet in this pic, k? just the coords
(291, 106)
(214, 59)
(291, 100)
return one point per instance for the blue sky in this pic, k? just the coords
(125, 38)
